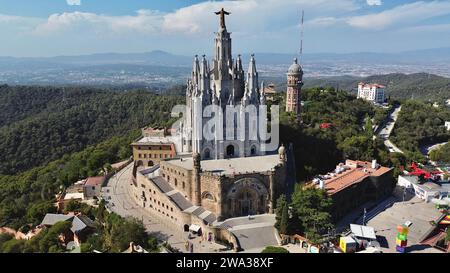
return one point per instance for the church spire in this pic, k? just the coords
(204, 77)
(252, 79)
(195, 70)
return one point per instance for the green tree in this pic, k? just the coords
(281, 203)
(441, 154)
(4, 237)
(13, 246)
(284, 223)
(274, 249)
(126, 230)
(50, 240)
(368, 127)
(313, 208)
(37, 211)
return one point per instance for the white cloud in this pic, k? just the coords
(252, 15)
(73, 2)
(323, 22)
(248, 16)
(374, 2)
(145, 21)
(260, 25)
(404, 14)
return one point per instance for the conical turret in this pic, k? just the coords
(252, 80)
(195, 70)
(204, 77)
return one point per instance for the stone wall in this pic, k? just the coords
(152, 199)
(179, 178)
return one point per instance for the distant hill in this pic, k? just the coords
(156, 57)
(421, 86)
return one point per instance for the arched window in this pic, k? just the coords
(208, 195)
(207, 154)
(253, 150)
(230, 151)
(150, 163)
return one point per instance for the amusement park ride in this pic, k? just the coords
(433, 175)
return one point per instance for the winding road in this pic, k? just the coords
(387, 128)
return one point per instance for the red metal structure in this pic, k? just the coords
(420, 172)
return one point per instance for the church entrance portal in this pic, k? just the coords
(247, 197)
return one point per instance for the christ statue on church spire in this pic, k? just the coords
(222, 13)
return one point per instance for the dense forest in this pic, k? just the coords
(335, 126)
(26, 197)
(420, 124)
(442, 154)
(41, 124)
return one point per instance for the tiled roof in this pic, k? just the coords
(95, 181)
(198, 211)
(210, 218)
(162, 184)
(81, 222)
(353, 176)
(180, 201)
(372, 85)
(51, 218)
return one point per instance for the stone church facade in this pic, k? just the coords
(224, 83)
(204, 182)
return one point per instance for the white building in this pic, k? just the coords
(426, 191)
(93, 187)
(372, 92)
(447, 125)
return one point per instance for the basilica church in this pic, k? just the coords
(224, 83)
(189, 181)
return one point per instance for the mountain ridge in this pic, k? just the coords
(434, 55)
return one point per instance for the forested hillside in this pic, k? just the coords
(336, 126)
(419, 86)
(27, 196)
(420, 124)
(41, 124)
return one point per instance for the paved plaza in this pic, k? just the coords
(414, 210)
(253, 233)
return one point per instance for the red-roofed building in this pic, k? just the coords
(354, 183)
(93, 186)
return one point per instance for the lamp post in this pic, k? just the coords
(364, 217)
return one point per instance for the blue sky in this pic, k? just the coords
(72, 27)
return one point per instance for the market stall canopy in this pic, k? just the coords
(363, 231)
(195, 228)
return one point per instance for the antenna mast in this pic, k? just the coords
(301, 36)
